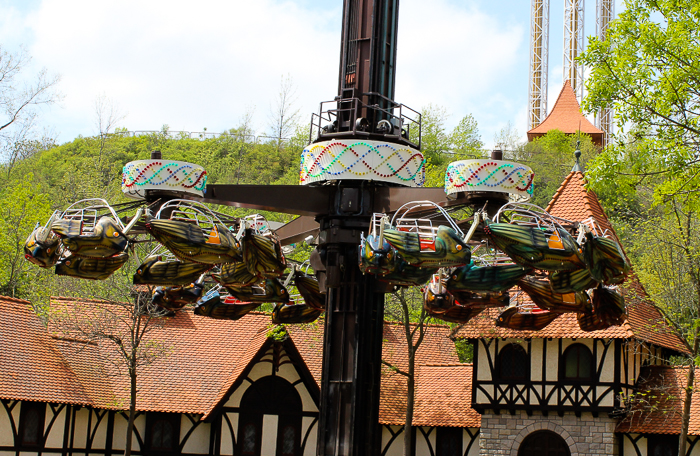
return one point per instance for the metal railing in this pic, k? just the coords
(200, 135)
(342, 117)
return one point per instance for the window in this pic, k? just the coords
(449, 441)
(513, 363)
(31, 423)
(544, 443)
(163, 432)
(578, 363)
(251, 431)
(270, 396)
(288, 437)
(662, 445)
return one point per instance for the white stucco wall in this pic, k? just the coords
(81, 429)
(260, 370)
(629, 449)
(310, 449)
(421, 442)
(55, 437)
(120, 424)
(6, 438)
(198, 441)
(269, 434)
(466, 438)
(226, 440)
(396, 448)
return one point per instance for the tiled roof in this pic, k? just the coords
(200, 356)
(572, 201)
(444, 396)
(32, 369)
(644, 321)
(566, 116)
(244, 360)
(436, 348)
(661, 402)
(204, 358)
(308, 339)
(565, 326)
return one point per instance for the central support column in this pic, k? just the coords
(351, 375)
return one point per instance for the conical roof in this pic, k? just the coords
(645, 322)
(566, 116)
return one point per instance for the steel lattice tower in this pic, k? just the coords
(573, 44)
(539, 60)
(605, 13)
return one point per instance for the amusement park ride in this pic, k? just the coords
(376, 228)
(573, 47)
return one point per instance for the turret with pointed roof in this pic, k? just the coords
(566, 116)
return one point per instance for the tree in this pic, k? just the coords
(435, 140)
(648, 70)
(22, 206)
(124, 325)
(440, 147)
(465, 139)
(20, 100)
(551, 157)
(107, 115)
(406, 307)
(507, 140)
(284, 116)
(667, 249)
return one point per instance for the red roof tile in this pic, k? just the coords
(566, 116)
(308, 339)
(435, 348)
(204, 359)
(245, 358)
(661, 399)
(572, 201)
(444, 396)
(201, 354)
(32, 368)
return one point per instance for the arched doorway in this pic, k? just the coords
(544, 443)
(270, 396)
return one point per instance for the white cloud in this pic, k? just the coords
(464, 59)
(203, 65)
(170, 62)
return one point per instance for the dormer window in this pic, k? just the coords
(578, 363)
(513, 363)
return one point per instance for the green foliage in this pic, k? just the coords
(435, 140)
(440, 147)
(551, 157)
(278, 333)
(465, 350)
(665, 246)
(22, 206)
(648, 70)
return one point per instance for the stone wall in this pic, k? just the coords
(585, 435)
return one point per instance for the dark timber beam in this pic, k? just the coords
(289, 199)
(313, 201)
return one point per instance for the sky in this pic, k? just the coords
(206, 64)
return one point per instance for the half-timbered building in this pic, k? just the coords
(222, 387)
(560, 390)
